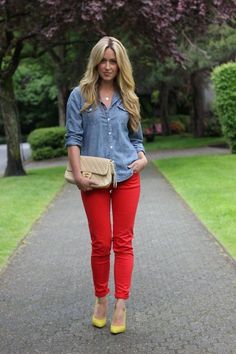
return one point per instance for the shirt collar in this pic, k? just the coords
(116, 97)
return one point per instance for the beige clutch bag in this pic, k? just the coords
(99, 169)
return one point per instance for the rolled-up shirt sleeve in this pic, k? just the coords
(136, 140)
(74, 122)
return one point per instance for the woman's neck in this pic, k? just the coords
(106, 91)
(107, 86)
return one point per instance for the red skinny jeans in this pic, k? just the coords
(98, 204)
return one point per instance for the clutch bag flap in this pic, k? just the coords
(97, 165)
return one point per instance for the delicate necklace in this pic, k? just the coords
(107, 97)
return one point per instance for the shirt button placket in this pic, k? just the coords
(110, 142)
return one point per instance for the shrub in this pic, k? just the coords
(47, 143)
(182, 118)
(149, 134)
(212, 127)
(157, 128)
(224, 81)
(176, 127)
(48, 153)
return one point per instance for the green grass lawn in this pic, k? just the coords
(181, 142)
(22, 201)
(208, 185)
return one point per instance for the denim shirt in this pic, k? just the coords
(103, 132)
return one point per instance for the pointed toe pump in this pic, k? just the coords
(99, 322)
(116, 329)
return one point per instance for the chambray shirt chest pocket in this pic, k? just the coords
(122, 115)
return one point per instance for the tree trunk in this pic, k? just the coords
(10, 118)
(164, 96)
(61, 79)
(61, 99)
(198, 83)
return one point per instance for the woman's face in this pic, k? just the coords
(108, 68)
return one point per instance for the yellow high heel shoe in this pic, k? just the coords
(121, 328)
(98, 322)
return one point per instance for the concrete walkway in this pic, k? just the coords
(184, 285)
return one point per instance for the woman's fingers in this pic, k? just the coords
(86, 184)
(138, 165)
(135, 166)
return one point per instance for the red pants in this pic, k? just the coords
(98, 204)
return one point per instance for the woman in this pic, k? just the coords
(103, 119)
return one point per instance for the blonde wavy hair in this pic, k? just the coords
(124, 79)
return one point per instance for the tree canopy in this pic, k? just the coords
(43, 24)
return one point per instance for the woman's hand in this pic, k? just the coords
(138, 165)
(84, 184)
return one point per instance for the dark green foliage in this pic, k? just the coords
(48, 153)
(47, 143)
(224, 81)
(36, 95)
(213, 127)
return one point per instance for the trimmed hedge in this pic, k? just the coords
(47, 143)
(224, 81)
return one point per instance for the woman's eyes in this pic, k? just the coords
(112, 61)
